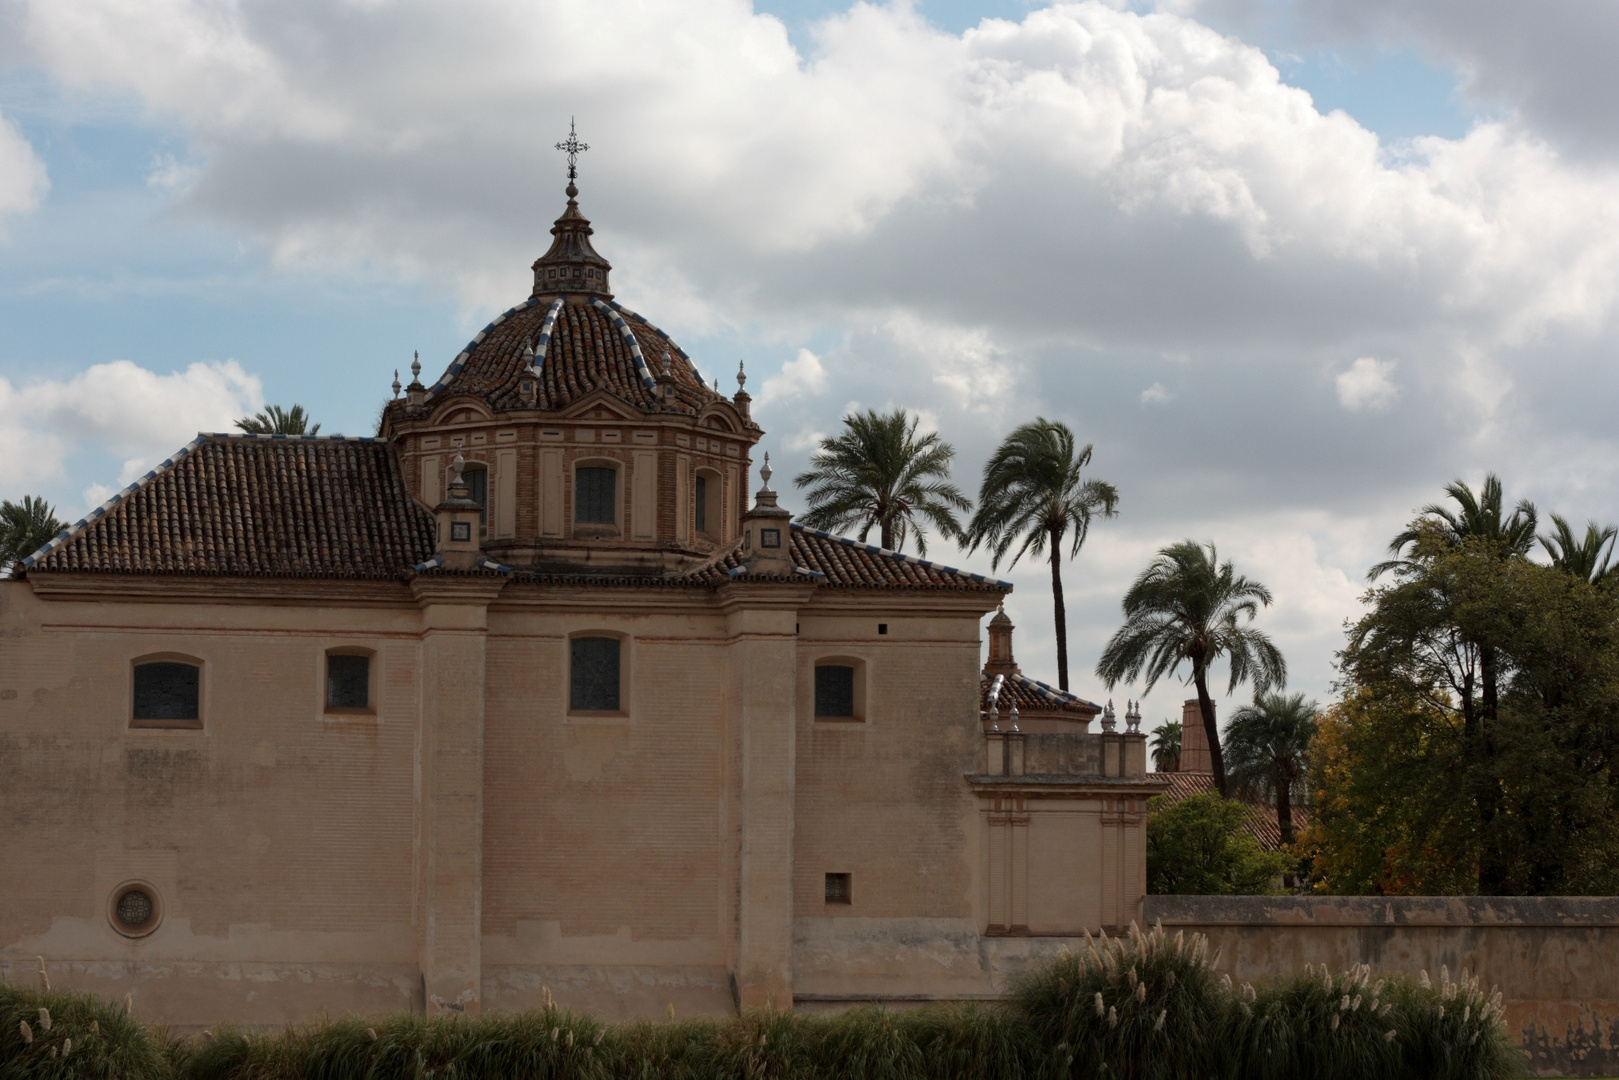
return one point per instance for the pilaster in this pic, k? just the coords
(761, 623)
(449, 759)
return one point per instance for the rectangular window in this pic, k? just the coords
(594, 677)
(837, 889)
(702, 504)
(834, 691)
(595, 496)
(167, 690)
(478, 491)
(348, 681)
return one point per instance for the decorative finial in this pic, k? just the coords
(666, 361)
(1109, 717)
(456, 468)
(573, 148)
(396, 382)
(764, 473)
(741, 375)
(1014, 716)
(416, 367)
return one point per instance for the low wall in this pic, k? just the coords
(1555, 959)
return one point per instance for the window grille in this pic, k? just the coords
(348, 681)
(166, 690)
(594, 679)
(594, 496)
(834, 691)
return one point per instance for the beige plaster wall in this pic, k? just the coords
(1555, 959)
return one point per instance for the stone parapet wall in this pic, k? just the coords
(1555, 958)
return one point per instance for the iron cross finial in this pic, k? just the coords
(573, 148)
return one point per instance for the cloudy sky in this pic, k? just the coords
(1291, 265)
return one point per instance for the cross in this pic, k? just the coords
(573, 147)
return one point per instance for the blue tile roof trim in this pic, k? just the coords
(667, 340)
(490, 564)
(995, 691)
(873, 549)
(431, 564)
(1049, 691)
(168, 463)
(545, 333)
(461, 358)
(629, 341)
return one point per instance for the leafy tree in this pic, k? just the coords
(1034, 494)
(1189, 607)
(1267, 752)
(25, 527)
(881, 473)
(274, 420)
(1589, 558)
(1536, 809)
(1166, 746)
(1199, 846)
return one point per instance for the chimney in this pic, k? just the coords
(1195, 756)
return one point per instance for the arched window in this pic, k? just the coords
(595, 495)
(709, 513)
(167, 692)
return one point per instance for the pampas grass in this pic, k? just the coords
(1145, 1006)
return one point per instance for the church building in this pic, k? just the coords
(532, 692)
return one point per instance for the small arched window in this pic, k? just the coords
(167, 693)
(708, 515)
(348, 681)
(476, 475)
(840, 688)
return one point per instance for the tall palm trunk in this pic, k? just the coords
(1492, 867)
(1205, 705)
(1060, 612)
(887, 540)
(1284, 810)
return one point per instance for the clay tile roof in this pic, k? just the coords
(587, 350)
(1034, 696)
(1261, 823)
(240, 505)
(851, 564)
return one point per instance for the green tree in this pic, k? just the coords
(1532, 775)
(880, 472)
(25, 527)
(1589, 557)
(274, 420)
(1199, 846)
(1267, 752)
(1034, 495)
(1188, 607)
(1166, 746)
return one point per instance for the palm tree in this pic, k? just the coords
(1481, 519)
(1267, 747)
(1188, 606)
(1590, 559)
(274, 420)
(1166, 747)
(1033, 492)
(25, 527)
(881, 473)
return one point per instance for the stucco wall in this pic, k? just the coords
(1555, 959)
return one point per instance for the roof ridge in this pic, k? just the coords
(101, 511)
(290, 438)
(477, 339)
(629, 340)
(667, 340)
(928, 564)
(544, 343)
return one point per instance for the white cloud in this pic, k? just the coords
(799, 377)
(23, 181)
(120, 409)
(1367, 386)
(1154, 394)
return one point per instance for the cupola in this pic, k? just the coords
(572, 266)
